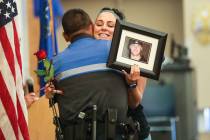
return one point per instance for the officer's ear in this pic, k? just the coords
(91, 28)
(66, 37)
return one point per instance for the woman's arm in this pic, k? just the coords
(135, 93)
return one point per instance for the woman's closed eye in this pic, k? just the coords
(111, 24)
(99, 23)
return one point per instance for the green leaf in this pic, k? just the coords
(46, 63)
(40, 72)
(47, 78)
(51, 72)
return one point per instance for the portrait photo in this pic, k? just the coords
(136, 49)
(137, 45)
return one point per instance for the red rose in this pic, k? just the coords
(41, 54)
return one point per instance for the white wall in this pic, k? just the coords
(162, 15)
(200, 54)
(23, 30)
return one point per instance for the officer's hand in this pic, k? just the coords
(50, 90)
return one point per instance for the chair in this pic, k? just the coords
(159, 107)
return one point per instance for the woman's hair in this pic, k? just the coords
(118, 14)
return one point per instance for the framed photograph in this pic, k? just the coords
(135, 44)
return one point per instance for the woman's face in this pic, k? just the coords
(135, 49)
(104, 26)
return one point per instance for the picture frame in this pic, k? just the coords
(125, 44)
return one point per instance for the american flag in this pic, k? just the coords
(13, 111)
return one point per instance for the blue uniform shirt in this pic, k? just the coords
(83, 56)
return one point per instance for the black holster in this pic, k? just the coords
(137, 115)
(110, 124)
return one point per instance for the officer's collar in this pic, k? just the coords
(80, 36)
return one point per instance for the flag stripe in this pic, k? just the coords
(17, 45)
(9, 106)
(1, 135)
(22, 122)
(5, 125)
(7, 48)
(20, 136)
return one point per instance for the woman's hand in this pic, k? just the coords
(50, 90)
(133, 76)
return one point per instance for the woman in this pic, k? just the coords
(104, 29)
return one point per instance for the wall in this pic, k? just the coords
(40, 115)
(22, 26)
(199, 53)
(162, 15)
(33, 36)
